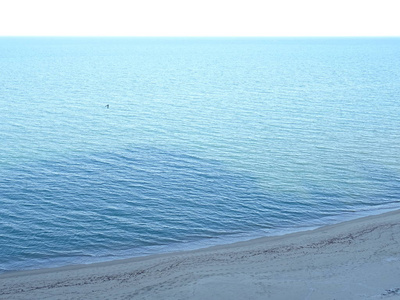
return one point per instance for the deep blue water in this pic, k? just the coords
(205, 141)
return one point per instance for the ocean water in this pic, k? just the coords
(204, 141)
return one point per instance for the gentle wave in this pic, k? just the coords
(203, 142)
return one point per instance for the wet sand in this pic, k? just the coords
(359, 259)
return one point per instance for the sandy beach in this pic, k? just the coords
(359, 259)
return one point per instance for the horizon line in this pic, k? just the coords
(199, 36)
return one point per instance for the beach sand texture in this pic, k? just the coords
(359, 259)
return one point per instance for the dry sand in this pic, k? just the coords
(359, 259)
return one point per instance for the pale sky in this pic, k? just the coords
(199, 18)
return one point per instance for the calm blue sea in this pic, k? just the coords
(204, 141)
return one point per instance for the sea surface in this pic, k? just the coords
(121, 147)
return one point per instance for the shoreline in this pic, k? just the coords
(357, 259)
(212, 242)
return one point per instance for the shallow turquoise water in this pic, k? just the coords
(204, 141)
